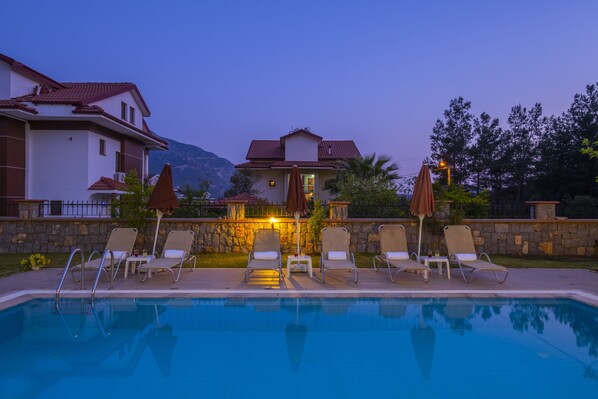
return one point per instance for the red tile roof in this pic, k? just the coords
(289, 165)
(13, 104)
(272, 150)
(304, 164)
(254, 165)
(80, 93)
(265, 149)
(88, 109)
(106, 184)
(77, 93)
(339, 149)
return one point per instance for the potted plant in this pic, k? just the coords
(34, 262)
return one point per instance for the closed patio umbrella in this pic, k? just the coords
(296, 334)
(423, 340)
(163, 199)
(422, 201)
(296, 202)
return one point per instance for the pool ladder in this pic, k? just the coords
(82, 267)
(82, 312)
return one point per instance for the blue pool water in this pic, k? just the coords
(299, 348)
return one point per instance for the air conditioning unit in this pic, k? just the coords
(119, 176)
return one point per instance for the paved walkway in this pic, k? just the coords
(580, 284)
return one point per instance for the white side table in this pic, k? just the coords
(136, 261)
(299, 261)
(440, 260)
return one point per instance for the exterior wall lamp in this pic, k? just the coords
(442, 165)
(272, 221)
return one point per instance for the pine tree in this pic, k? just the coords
(450, 139)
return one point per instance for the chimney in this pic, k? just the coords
(329, 149)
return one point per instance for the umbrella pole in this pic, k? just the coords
(159, 214)
(419, 241)
(297, 230)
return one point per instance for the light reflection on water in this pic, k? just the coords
(246, 347)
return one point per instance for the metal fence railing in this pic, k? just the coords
(75, 209)
(577, 211)
(265, 210)
(200, 209)
(397, 210)
(218, 209)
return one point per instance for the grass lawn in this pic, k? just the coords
(552, 262)
(11, 263)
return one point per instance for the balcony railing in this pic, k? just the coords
(75, 209)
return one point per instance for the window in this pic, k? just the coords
(102, 147)
(120, 162)
(309, 185)
(123, 111)
(132, 115)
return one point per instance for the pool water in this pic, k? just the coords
(299, 348)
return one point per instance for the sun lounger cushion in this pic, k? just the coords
(337, 255)
(466, 257)
(265, 255)
(397, 255)
(174, 254)
(117, 255)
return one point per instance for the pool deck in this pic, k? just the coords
(571, 283)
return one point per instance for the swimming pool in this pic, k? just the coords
(295, 348)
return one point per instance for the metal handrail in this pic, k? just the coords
(100, 268)
(66, 269)
(75, 335)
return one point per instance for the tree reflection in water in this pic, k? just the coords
(460, 316)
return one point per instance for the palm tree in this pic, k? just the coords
(382, 169)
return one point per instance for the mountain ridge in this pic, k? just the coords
(191, 165)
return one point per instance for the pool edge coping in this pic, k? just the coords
(14, 298)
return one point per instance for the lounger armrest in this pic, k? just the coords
(486, 255)
(92, 254)
(353, 258)
(415, 256)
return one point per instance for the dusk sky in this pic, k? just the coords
(218, 74)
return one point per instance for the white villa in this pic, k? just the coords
(68, 141)
(270, 162)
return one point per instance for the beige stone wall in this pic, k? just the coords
(505, 237)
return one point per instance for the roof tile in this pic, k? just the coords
(78, 93)
(272, 150)
(13, 104)
(106, 183)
